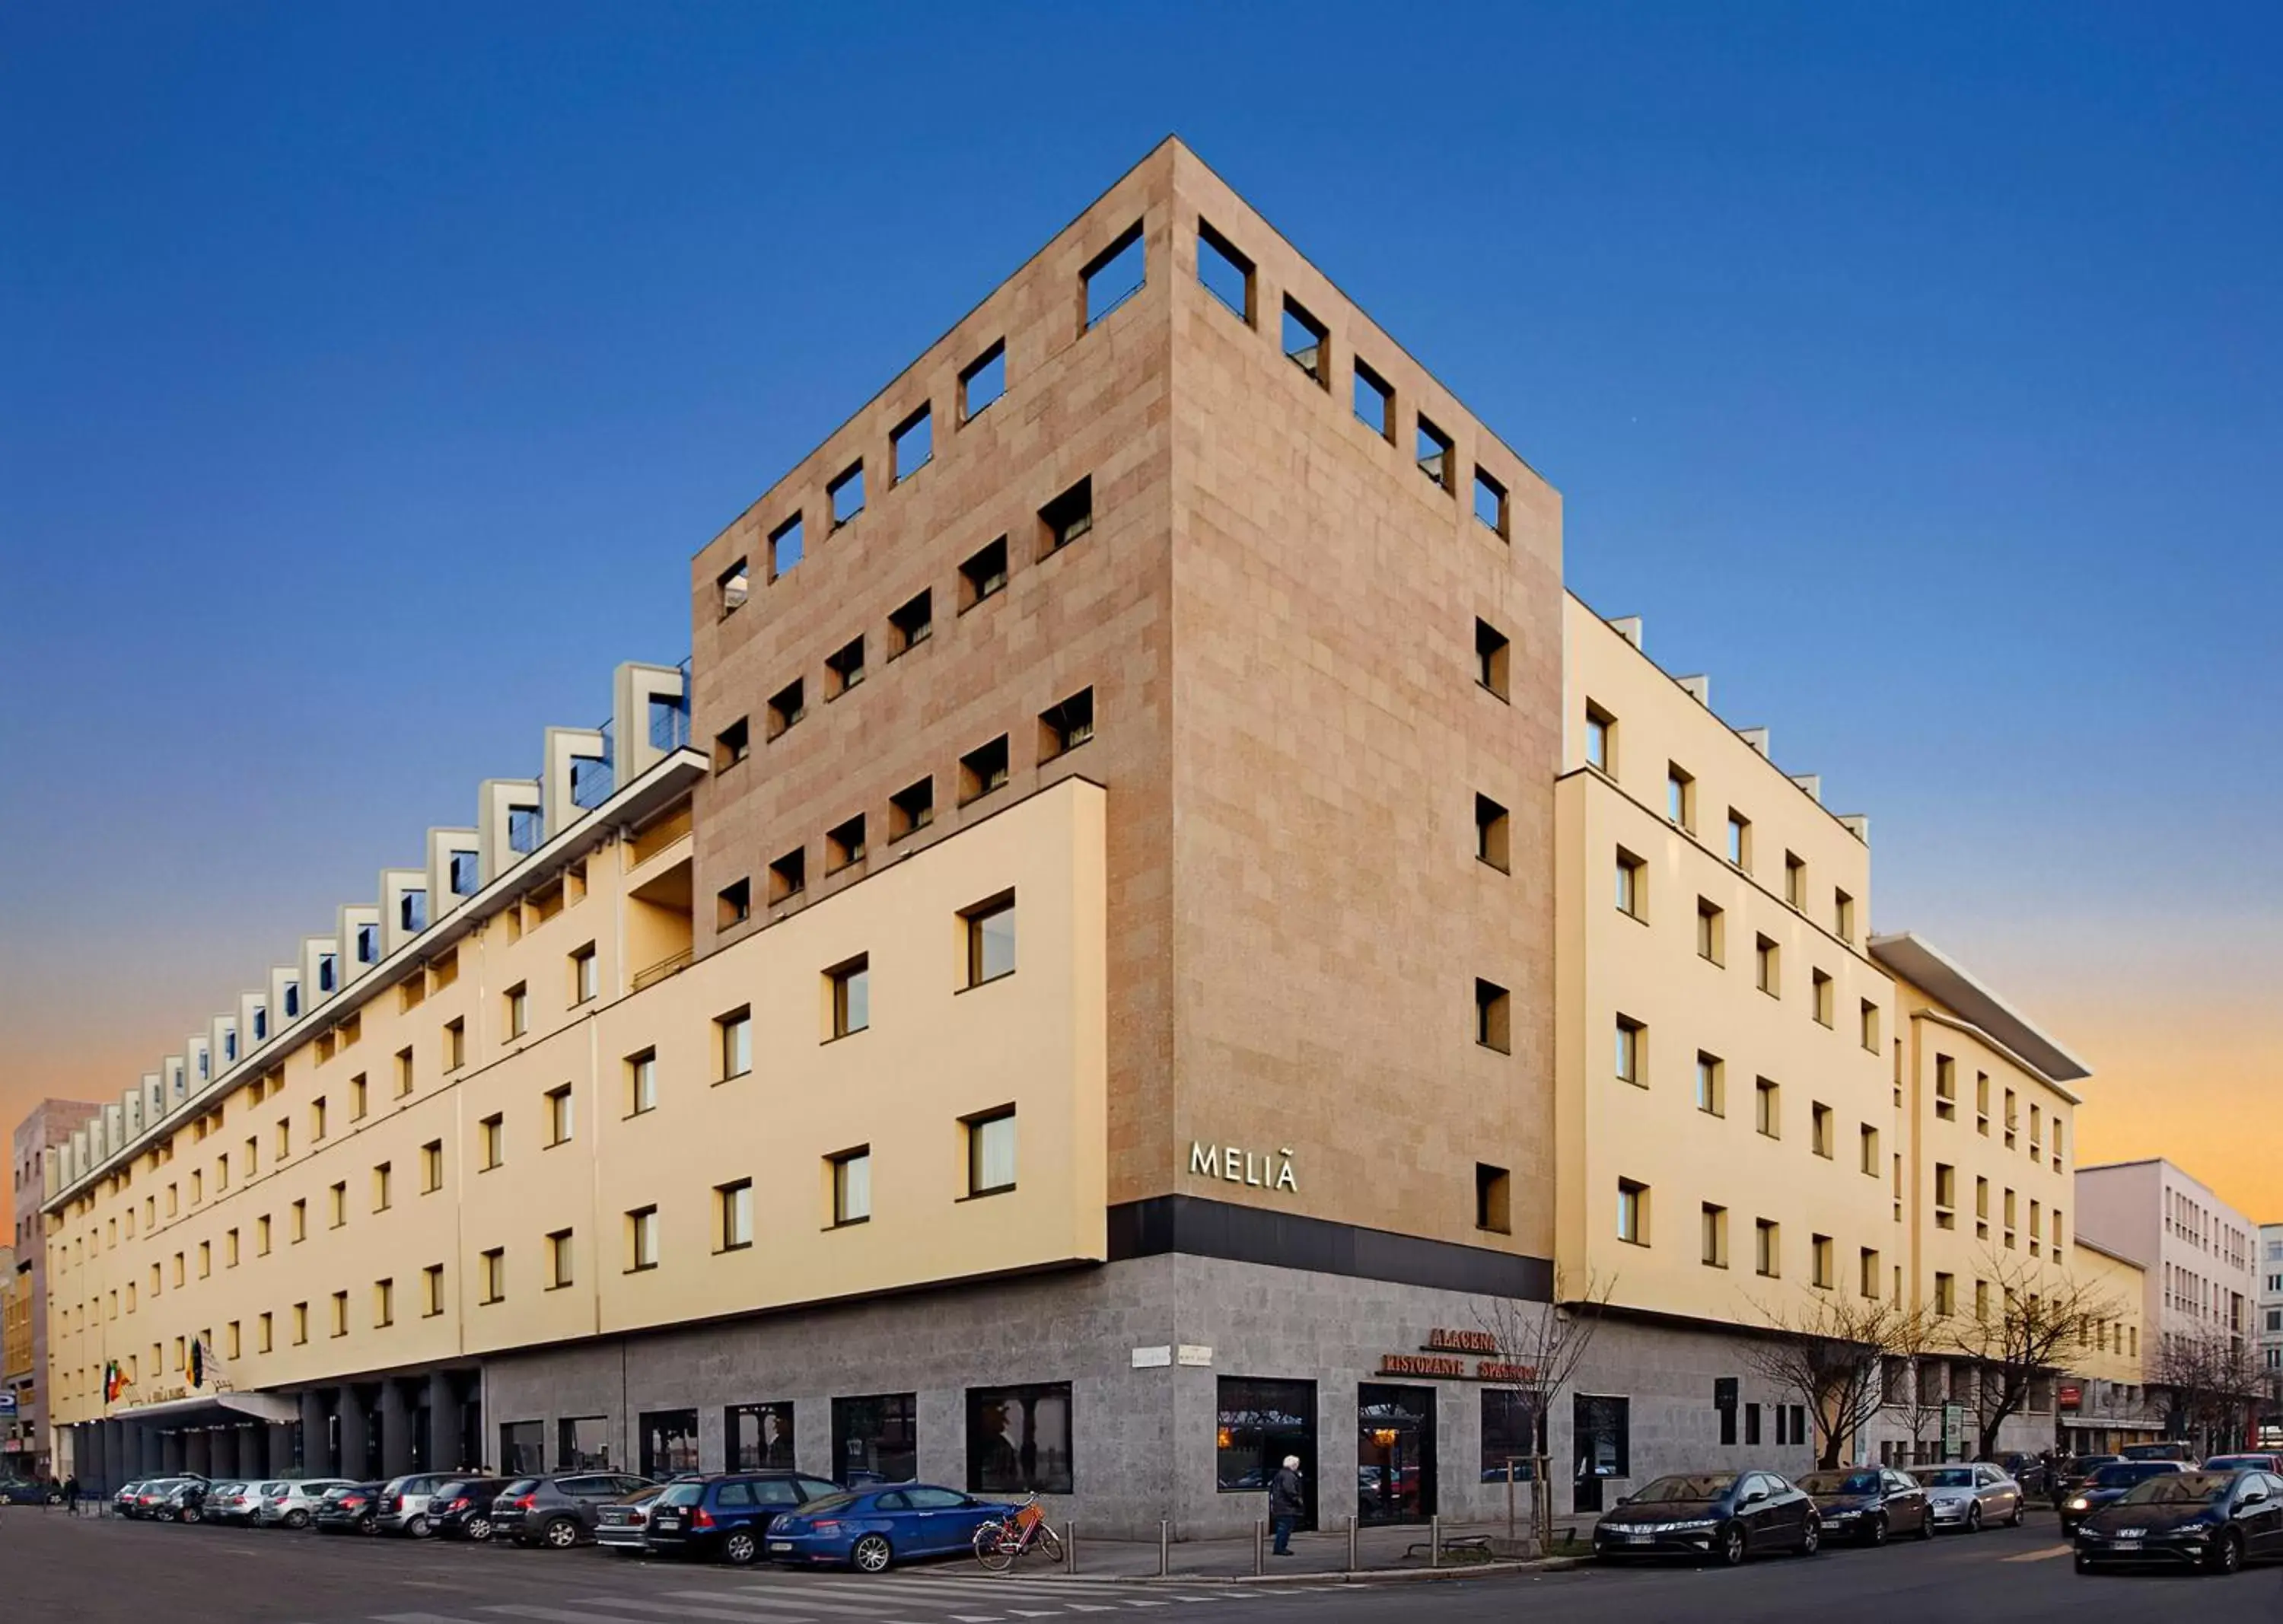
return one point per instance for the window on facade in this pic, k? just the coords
(558, 1260)
(1821, 997)
(1715, 1236)
(1112, 276)
(734, 1041)
(1019, 1441)
(642, 1239)
(844, 844)
(1601, 739)
(357, 1098)
(519, 1010)
(911, 445)
(1225, 272)
(1492, 649)
(1492, 1017)
(642, 1083)
(339, 1195)
(991, 1152)
(732, 744)
(990, 931)
(382, 1183)
(786, 547)
(1066, 518)
(912, 624)
(384, 1303)
(911, 808)
(1819, 1251)
(1631, 1051)
(492, 1275)
(733, 1210)
(1633, 885)
(432, 1166)
(1712, 932)
(1767, 1248)
(340, 1314)
(1711, 1084)
(466, 874)
(982, 381)
(1490, 503)
(1867, 1274)
(1493, 1198)
(844, 496)
(1819, 1124)
(1740, 840)
(1633, 1212)
(850, 1173)
(844, 668)
(1767, 1109)
(1373, 401)
(1064, 727)
(850, 988)
(1768, 966)
(732, 587)
(586, 975)
(1490, 833)
(876, 1439)
(733, 904)
(1680, 798)
(1870, 1019)
(787, 875)
(1946, 1088)
(1302, 340)
(982, 771)
(299, 1217)
(491, 1141)
(984, 574)
(787, 706)
(1433, 453)
(558, 1115)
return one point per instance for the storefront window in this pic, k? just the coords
(583, 1444)
(1505, 1434)
(758, 1436)
(1260, 1423)
(1395, 1453)
(1601, 1426)
(876, 1440)
(521, 1447)
(669, 1442)
(1018, 1439)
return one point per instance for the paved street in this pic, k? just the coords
(110, 1573)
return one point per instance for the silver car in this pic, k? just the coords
(621, 1524)
(291, 1502)
(404, 1504)
(230, 1501)
(1971, 1496)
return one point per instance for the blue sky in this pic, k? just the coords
(373, 371)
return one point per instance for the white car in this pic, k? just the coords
(404, 1504)
(1971, 1496)
(291, 1502)
(230, 1501)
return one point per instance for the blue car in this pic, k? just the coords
(871, 1528)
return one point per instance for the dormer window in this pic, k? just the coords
(368, 944)
(326, 972)
(412, 911)
(524, 824)
(292, 1000)
(260, 1024)
(229, 1047)
(464, 873)
(205, 1066)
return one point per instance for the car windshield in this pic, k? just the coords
(681, 1494)
(829, 1502)
(2125, 1474)
(1838, 1482)
(2238, 1463)
(1947, 1476)
(2182, 1488)
(643, 1496)
(1703, 1486)
(521, 1485)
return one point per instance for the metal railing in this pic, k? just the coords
(664, 968)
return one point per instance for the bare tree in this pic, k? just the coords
(1910, 1362)
(2039, 1317)
(2213, 1384)
(1536, 1349)
(1831, 1352)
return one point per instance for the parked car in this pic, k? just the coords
(1971, 1496)
(727, 1516)
(183, 1501)
(293, 1503)
(621, 1526)
(461, 1508)
(352, 1508)
(2259, 1460)
(230, 1501)
(1866, 1504)
(2109, 1485)
(150, 1497)
(558, 1510)
(2029, 1470)
(870, 1529)
(404, 1504)
(2072, 1473)
(1724, 1515)
(2214, 1521)
(2168, 1451)
(28, 1491)
(122, 1503)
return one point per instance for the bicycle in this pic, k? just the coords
(1003, 1542)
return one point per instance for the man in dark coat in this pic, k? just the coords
(1286, 1501)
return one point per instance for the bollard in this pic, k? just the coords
(1164, 1549)
(1435, 1541)
(1069, 1547)
(1352, 1542)
(1260, 1548)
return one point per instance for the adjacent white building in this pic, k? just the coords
(2204, 1259)
(2270, 1298)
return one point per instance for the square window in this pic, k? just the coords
(1633, 886)
(1493, 1199)
(1680, 798)
(1632, 1053)
(733, 904)
(787, 706)
(733, 1208)
(911, 625)
(1303, 342)
(642, 1083)
(845, 494)
(852, 1186)
(1490, 652)
(1493, 1017)
(1374, 402)
(1112, 276)
(787, 875)
(733, 587)
(1066, 518)
(911, 808)
(642, 1239)
(984, 575)
(982, 771)
(844, 668)
(849, 986)
(1491, 503)
(991, 1152)
(1433, 453)
(1601, 739)
(785, 547)
(1712, 932)
(734, 1042)
(732, 744)
(1715, 1248)
(844, 844)
(982, 381)
(1491, 823)
(1633, 1212)
(1064, 727)
(1225, 273)
(989, 928)
(911, 445)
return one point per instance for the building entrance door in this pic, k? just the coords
(1395, 1453)
(1260, 1423)
(1599, 1440)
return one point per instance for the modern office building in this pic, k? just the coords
(23, 1447)
(2270, 1297)
(1123, 987)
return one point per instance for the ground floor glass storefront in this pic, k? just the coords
(1262, 1421)
(876, 1440)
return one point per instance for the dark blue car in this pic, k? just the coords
(726, 1515)
(874, 1527)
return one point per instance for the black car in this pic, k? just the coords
(2072, 1473)
(2214, 1520)
(1724, 1515)
(2108, 1486)
(461, 1508)
(355, 1509)
(2029, 1471)
(1866, 1504)
(2179, 1452)
(557, 1510)
(726, 1516)
(28, 1491)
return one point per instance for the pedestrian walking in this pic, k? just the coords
(71, 1494)
(1286, 1498)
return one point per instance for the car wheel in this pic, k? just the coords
(872, 1554)
(1731, 1549)
(2227, 1555)
(560, 1533)
(296, 1519)
(191, 1514)
(2014, 1521)
(1875, 1534)
(479, 1529)
(368, 1524)
(739, 1548)
(1974, 1518)
(1810, 1537)
(1926, 1522)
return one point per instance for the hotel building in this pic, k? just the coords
(1103, 976)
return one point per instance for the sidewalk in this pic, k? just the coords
(1379, 1552)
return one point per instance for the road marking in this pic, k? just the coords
(416, 1618)
(2038, 1556)
(559, 1615)
(682, 1609)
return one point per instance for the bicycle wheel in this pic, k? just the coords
(995, 1548)
(1049, 1544)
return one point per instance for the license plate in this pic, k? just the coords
(780, 1544)
(1640, 1539)
(668, 1522)
(2128, 1543)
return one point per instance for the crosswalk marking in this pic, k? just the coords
(558, 1615)
(774, 1598)
(683, 1608)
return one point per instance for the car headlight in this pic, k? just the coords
(2079, 1505)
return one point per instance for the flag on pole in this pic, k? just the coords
(198, 1362)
